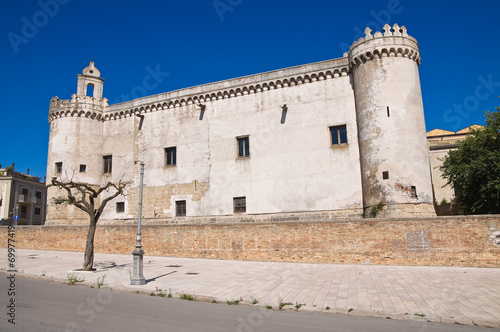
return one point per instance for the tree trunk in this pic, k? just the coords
(88, 260)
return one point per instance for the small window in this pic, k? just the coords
(243, 146)
(120, 207)
(338, 135)
(413, 192)
(59, 168)
(108, 164)
(385, 175)
(83, 168)
(1, 202)
(180, 208)
(388, 112)
(24, 191)
(240, 204)
(37, 211)
(171, 156)
(38, 194)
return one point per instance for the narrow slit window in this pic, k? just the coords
(243, 146)
(388, 112)
(240, 204)
(108, 164)
(171, 156)
(413, 192)
(180, 208)
(58, 167)
(338, 135)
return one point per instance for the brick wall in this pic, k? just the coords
(452, 240)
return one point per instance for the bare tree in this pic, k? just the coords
(85, 197)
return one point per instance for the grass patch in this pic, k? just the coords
(188, 297)
(254, 300)
(73, 278)
(282, 304)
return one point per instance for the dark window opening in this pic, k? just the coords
(120, 207)
(1, 202)
(37, 211)
(180, 208)
(240, 204)
(25, 191)
(388, 112)
(108, 164)
(385, 175)
(59, 168)
(243, 146)
(338, 135)
(83, 168)
(38, 194)
(24, 212)
(413, 192)
(171, 156)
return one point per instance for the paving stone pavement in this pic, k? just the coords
(442, 294)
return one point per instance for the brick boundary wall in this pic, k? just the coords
(448, 241)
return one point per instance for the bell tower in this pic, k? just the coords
(90, 78)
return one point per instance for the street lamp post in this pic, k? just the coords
(138, 277)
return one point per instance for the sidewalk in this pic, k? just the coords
(438, 294)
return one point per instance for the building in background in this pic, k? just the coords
(24, 192)
(441, 142)
(344, 136)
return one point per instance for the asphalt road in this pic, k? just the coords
(46, 306)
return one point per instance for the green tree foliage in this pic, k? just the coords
(474, 168)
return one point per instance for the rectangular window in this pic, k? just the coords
(243, 146)
(108, 164)
(38, 194)
(37, 211)
(1, 202)
(180, 208)
(24, 191)
(413, 192)
(338, 135)
(385, 175)
(83, 168)
(240, 204)
(171, 156)
(59, 168)
(120, 207)
(24, 212)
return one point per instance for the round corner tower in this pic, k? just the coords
(394, 157)
(75, 140)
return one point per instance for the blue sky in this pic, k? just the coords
(46, 43)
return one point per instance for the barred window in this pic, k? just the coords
(120, 207)
(243, 146)
(180, 208)
(240, 204)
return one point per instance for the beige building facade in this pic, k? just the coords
(326, 136)
(23, 195)
(441, 142)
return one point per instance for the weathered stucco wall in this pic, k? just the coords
(452, 241)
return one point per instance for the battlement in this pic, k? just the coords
(392, 42)
(80, 106)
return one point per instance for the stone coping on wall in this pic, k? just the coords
(293, 218)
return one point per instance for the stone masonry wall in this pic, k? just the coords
(450, 241)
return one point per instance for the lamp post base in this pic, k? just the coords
(138, 277)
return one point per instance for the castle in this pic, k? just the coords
(345, 137)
